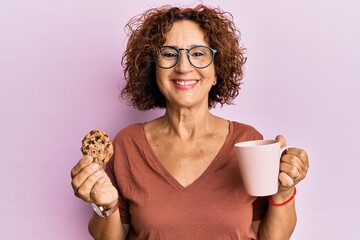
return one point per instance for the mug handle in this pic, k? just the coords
(284, 148)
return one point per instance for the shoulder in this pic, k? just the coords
(244, 132)
(133, 131)
(238, 126)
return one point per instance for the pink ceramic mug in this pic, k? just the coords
(259, 163)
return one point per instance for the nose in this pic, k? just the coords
(183, 64)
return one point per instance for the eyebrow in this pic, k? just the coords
(191, 46)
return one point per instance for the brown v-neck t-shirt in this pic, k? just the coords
(157, 206)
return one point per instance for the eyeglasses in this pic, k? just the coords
(198, 56)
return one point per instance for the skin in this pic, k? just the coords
(192, 136)
(182, 127)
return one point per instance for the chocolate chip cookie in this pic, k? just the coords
(97, 144)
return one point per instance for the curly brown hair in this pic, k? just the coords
(147, 34)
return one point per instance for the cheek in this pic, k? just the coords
(161, 80)
(158, 76)
(209, 75)
(161, 74)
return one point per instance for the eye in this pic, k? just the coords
(199, 52)
(168, 53)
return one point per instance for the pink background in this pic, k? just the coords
(60, 76)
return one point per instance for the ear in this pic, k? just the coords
(215, 81)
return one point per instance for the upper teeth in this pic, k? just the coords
(184, 83)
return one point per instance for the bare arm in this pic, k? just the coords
(92, 184)
(279, 221)
(108, 228)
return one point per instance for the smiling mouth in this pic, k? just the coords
(184, 83)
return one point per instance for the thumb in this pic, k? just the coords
(97, 191)
(281, 139)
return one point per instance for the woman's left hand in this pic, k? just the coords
(294, 166)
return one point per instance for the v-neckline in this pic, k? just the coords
(170, 178)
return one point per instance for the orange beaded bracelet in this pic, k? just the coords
(283, 203)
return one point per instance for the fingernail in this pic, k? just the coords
(94, 166)
(88, 159)
(97, 173)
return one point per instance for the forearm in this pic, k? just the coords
(279, 221)
(106, 228)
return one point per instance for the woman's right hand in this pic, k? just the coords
(92, 184)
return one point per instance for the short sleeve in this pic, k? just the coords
(124, 213)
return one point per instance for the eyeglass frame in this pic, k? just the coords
(178, 50)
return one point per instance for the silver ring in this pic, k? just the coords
(297, 176)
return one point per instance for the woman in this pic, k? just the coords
(176, 177)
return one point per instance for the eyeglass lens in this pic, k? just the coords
(199, 56)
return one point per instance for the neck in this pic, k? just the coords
(187, 123)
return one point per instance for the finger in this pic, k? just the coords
(103, 192)
(291, 170)
(85, 161)
(82, 176)
(298, 158)
(304, 159)
(300, 153)
(96, 191)
(291, 159)
(281, 139)
(285, 180)
(84, 191)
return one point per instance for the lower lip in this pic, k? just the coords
(185, 87)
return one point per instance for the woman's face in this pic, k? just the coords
(184, 85)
